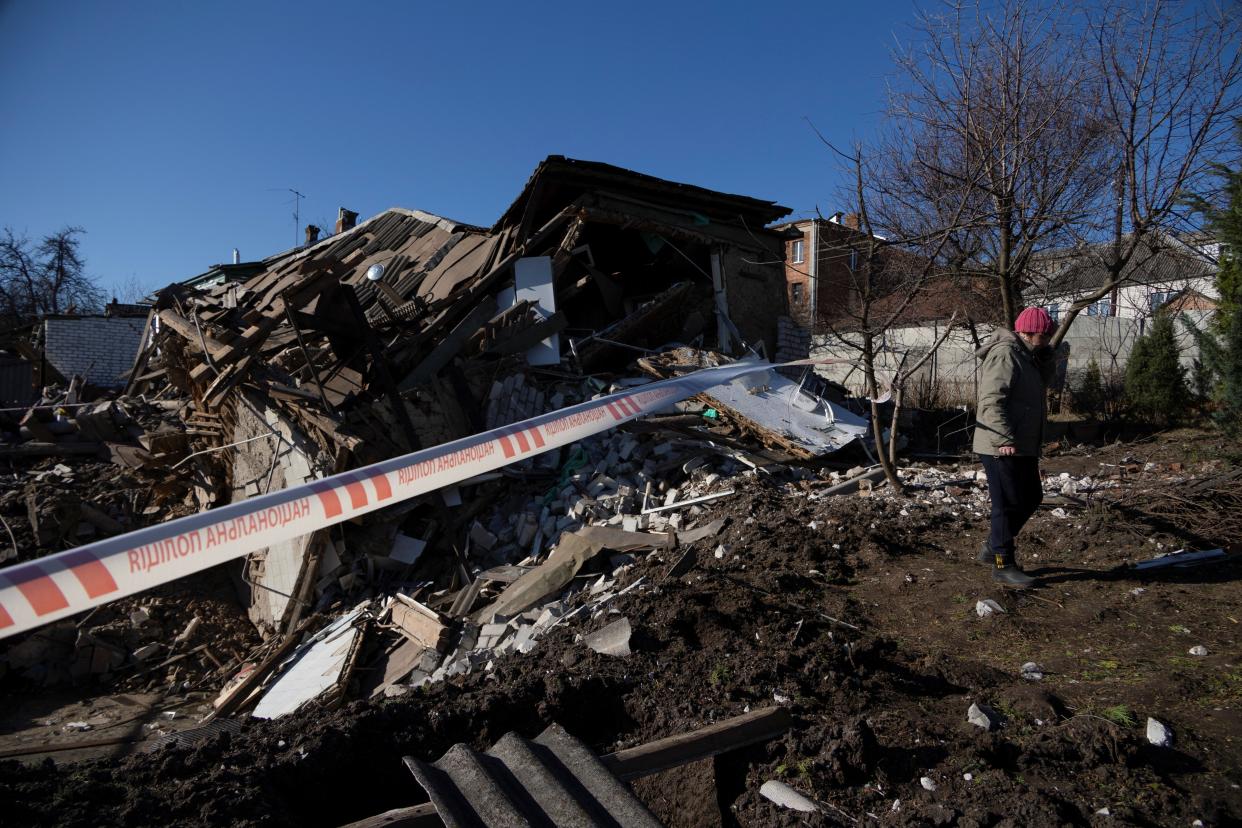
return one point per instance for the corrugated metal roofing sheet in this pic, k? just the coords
(554, 780)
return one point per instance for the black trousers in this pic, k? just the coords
(1016, 491)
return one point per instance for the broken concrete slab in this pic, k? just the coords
(699, 533)
(406, 550)
(570, 554)
(613, 640)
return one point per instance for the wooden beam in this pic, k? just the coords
(49, 449)
(190, 333)
(530, 337)
(721, 737)
(416, 816)
(448, 348)
(419, 623)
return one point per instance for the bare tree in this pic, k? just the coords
(887, 275)
(1057, 125)
(49, 277)
(133, 291)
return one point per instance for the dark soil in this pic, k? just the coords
(876, 709)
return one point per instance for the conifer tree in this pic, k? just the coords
(1155, 380)
(1221, 346)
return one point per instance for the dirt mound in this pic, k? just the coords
(856, 614)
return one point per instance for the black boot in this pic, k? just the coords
(985, 555)
(1008, 573)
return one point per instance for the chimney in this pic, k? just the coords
(345, 220)
(236, 256)
(312, 234)
(850, 221)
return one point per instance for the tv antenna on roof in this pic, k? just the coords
(297, 201)
(297, 224)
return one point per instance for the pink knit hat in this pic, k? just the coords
(1033, 321)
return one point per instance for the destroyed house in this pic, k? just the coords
(409, 329)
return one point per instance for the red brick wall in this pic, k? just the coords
(835, 271)
(797, 280)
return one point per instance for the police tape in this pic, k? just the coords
(50, 588)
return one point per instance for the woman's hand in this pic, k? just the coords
(1006, 451)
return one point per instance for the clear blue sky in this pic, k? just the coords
(170, 131)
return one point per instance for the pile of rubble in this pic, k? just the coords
(558, 554)
(410, 330)
(80, 471)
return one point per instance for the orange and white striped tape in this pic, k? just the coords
(50, 588)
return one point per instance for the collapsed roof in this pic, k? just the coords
(410, 330)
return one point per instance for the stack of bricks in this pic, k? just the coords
(512, 400)
(793, 343)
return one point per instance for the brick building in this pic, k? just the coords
(821, 259)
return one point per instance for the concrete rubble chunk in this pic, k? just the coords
(980, 715)
(613, 640)
(776, 791)
(1158, 733)
(1032, 671)
(190, 628)
(523, 640)
(406, 550)
(988, 607)
(480, 537)
(1198, 650)
(928, 783)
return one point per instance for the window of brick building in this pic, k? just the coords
(799, 252)
(797, 293)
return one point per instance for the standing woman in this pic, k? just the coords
(1013, 382)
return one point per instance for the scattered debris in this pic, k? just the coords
(1198, 650)
(1181, 558)
(1158, 733)
(613, 639)
(1032, 671)
(786, 797)
(981, 715)
(987, 607)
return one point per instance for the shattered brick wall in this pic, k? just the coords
(512, 400)
(286, 459)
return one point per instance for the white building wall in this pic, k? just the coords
(1135, 301)
(1107, 340)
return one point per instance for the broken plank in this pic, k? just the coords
(448, 348)
(721, 737)
(415, 816)
(420, 624)
(50, 449)
(190, 332)
(530, 337)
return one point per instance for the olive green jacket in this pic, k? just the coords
(1013, 385)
